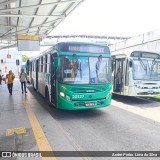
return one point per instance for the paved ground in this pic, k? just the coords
(119, 127)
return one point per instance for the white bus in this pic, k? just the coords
(136, 73)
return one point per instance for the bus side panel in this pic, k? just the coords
(41, 84)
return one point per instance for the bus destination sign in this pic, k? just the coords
(84, 48)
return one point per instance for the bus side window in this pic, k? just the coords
(32, 65)
(48, 64)
(130, 63)
(127, 74)
(38, 67)
(41, 64)
(46, 60)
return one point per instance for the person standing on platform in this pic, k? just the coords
(23, 78)
(10, 78)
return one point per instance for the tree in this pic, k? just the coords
(24, 58)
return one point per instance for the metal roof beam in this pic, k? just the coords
(47, 18)
(42, 30)
(28, 15)
(7, 26)
(35, 6)
(67, 12)
(87, 36)
(8, 2)
(11, 26)
(36, 26)
(34, 14)
(20, 1)
(10, 46)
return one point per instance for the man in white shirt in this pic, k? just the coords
(23, 78)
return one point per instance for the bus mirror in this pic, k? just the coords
(130, 63)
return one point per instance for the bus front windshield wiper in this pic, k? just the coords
(143, 65)
(98, 64)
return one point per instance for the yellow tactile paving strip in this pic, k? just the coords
(11, 131)
(40, 137)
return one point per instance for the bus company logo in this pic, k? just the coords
(6, 154)
(90, 96)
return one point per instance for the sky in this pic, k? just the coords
(112, 17)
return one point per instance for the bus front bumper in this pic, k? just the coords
(80, 105)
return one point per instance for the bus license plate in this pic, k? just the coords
(150, 91)
(90, 104)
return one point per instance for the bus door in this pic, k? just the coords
(29, 71)
(37, 69)
(53, 80)
(119, 75)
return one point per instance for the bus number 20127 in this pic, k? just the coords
(77, 96)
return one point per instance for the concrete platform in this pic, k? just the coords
(26, 125)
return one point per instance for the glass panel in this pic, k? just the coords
(100, 70)
(85, 70)
(145, 55)
(155, 70)
(146, 69)
(75, 70)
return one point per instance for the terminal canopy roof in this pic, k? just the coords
(31, 17)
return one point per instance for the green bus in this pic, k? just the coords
(73, 75)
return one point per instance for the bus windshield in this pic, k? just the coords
(145, 69)
(85, 70)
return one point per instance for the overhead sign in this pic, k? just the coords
(28, 43)
(32, 38)
(9, 56)
(85, 48)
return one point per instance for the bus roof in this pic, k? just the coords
(128, 52)
(71, 42)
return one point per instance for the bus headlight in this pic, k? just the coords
(61, 94)
(68, 98)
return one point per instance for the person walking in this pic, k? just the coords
(10, 78)
(23, 78)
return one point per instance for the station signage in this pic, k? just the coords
(32, 38)
(28, 43)
(9, 56)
